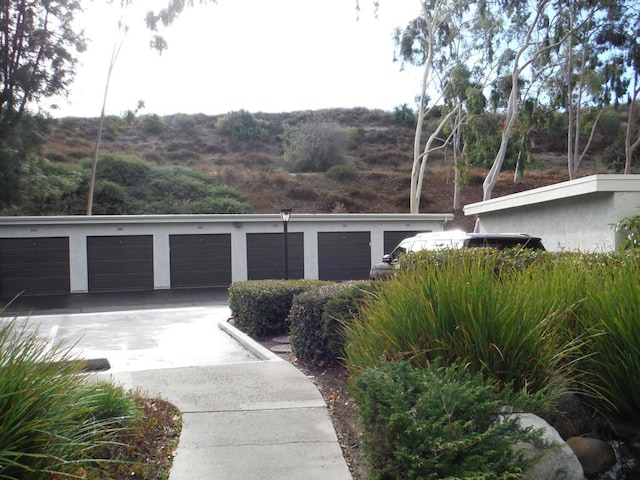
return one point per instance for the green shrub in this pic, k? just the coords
(125, 170)
(404, 116)
(260, 307)
(629, 230)
(438, 422)
(184, 122)
(53, 418)
(153, 124)
(340, 310)
(609, 124)
(305, 324)
(242, 125)
(315, 320)
(341, 173)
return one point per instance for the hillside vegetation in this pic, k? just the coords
(378, 156)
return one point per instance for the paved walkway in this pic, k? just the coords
(247, 414)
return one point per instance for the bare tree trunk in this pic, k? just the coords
(94, 164)
(630, 148)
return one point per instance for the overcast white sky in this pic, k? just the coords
(257, 55)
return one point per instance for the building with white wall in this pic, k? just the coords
(84, 254)
(577, 215)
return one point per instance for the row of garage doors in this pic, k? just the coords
(40, 266)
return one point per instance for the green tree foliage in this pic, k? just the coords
(19, 149)
(165, 16)
(482, 141)
(242, 125)
(314, 146)
(38, 47)
(128, 185)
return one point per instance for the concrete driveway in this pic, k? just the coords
(150, 339)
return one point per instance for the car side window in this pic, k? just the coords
(401, 249)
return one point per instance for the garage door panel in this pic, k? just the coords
(34, 266)
(122, 263)
(200, 260)
(265, 255)
(344, 255)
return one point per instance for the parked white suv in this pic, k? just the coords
(452, 239)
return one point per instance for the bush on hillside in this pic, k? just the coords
(404, 115)
(152, 124)
(132, 186)
(341, 173)
(242, 125)
(314, 147)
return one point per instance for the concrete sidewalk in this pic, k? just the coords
(252, 421)
(247, 414)
(256, 420)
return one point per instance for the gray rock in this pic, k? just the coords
(596, 456)
(557, 462)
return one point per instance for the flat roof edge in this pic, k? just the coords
(221, 218)
(582, 186)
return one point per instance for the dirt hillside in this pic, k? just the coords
(380, 153)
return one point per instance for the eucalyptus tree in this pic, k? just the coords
(632, 62)
(438, 41)
(590, 72)
(39, 47)
(164, 16)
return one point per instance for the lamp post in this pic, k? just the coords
(286, 214)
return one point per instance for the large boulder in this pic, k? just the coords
(557, 461)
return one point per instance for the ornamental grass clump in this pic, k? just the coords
(52, 419)
(611, 363)
(503, 322)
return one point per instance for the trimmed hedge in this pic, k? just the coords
(340, 310)
(260, 307)
(316, 320)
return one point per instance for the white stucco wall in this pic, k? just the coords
(577, 215)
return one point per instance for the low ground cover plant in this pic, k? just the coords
(439, 422)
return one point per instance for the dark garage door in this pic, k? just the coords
(200, 260)
(34, 266)
(344, 255)
(120, 264)
(265, 255)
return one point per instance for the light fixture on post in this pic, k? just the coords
(285, 214)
